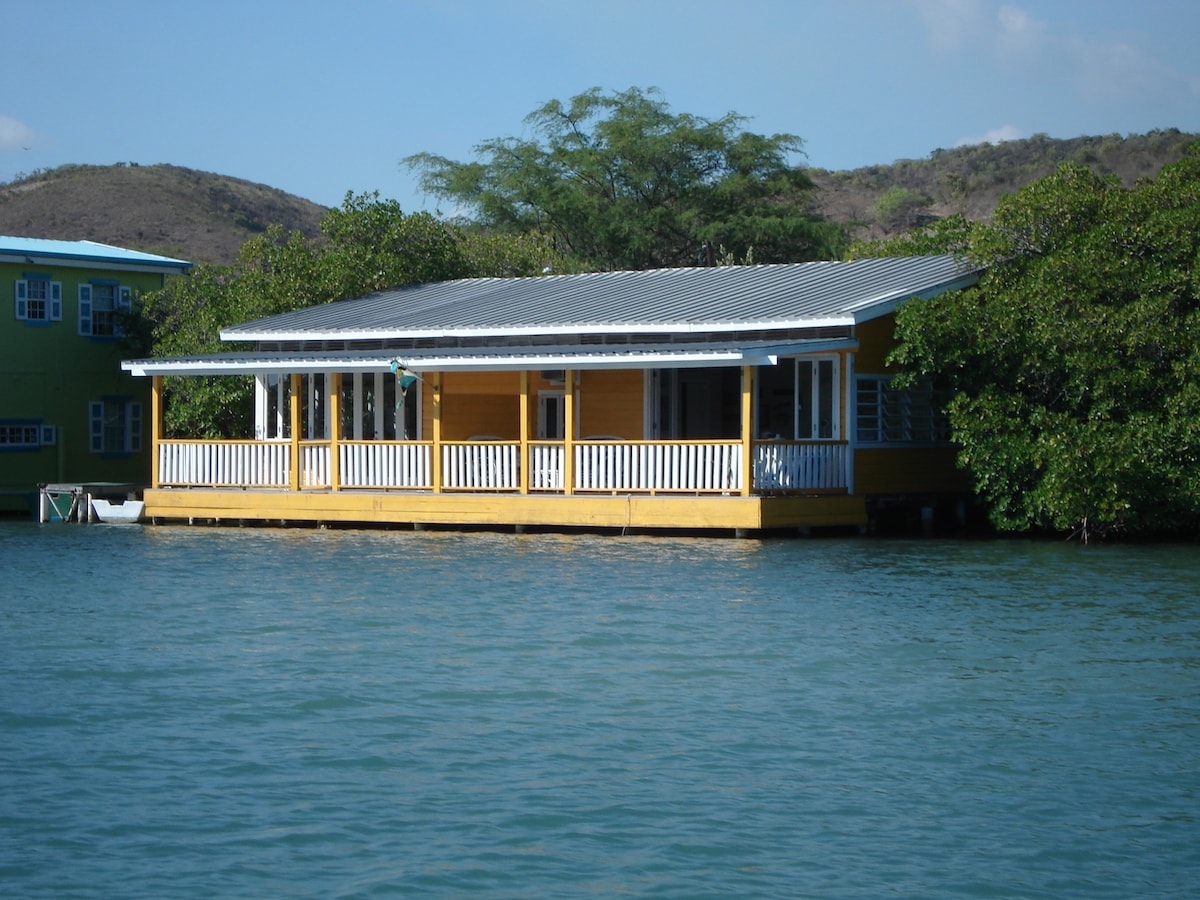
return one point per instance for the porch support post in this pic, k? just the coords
(747, 431)
(525, 464)
(156, 426)
(569, 431)
(335, 432)
(294, 422)
(436, 385)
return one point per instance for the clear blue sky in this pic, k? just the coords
(321, 98)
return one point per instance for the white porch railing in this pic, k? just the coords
(693, 466)
(484, 465)
(491, 465)
(222, 463)
(372, 464)
(314, 465)
(795, 466)
(546, 472)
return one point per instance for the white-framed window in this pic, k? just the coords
(818, 417)
(101, 305)
(38, 299)
(888, 415)
(114, 426)
(21, 434)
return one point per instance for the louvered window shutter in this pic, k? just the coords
(96, 426)
(85, 309)
(133, 431)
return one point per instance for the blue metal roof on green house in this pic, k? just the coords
(84, 251)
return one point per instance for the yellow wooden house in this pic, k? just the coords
(739, 398)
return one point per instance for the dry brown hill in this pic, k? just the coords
(204, 217)
(881, 201)
(184, 213)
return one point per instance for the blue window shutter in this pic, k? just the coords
(56, 301)
(22, 294)
(96, 426)
(85, 309)
(133, 419)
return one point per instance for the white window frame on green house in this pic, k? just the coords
(24, 434)
(38, 299)
(114, 426)
(890, 415)
(101, 303)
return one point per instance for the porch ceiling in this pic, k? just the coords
(706, 355)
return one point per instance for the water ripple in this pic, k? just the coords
(248, 713)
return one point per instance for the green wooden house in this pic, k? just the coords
(68, 413)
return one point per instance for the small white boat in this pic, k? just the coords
(126, 513)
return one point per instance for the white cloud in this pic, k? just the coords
(15, 135)
(1020, 36)
(1101, 69)
(951, 24)
(995, 136)
(1080, 54)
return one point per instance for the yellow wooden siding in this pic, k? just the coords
(610, 403)
(898, 470)
(636, 512)
(875, 342)
(469, 415)
(907, 470)
(476, 383)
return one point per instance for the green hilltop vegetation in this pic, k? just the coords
(206, 218)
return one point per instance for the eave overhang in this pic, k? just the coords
(504, 359)
(572, 329)
(875, 307)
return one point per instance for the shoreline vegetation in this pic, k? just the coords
(1073, 368)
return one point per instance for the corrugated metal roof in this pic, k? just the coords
(726, 298)
(725, 353)
(84, 251)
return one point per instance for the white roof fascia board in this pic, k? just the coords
(62, 262)
(699, 359)
(537, 330)
(799, 348)
(142, 368)
(866, 310)
(558, 358)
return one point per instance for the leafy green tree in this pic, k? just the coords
(1075, 363)
(900, 207)
(367, 245)
(621, 182)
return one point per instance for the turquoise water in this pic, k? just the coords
(269, 713)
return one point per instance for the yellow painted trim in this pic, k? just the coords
(525, 420)
(569, 432)
(436, 388)
(294, 421)
(747, 430)
(156, 426)
(451, 509)
(335, 431)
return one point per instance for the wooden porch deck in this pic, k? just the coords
(619, 512)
